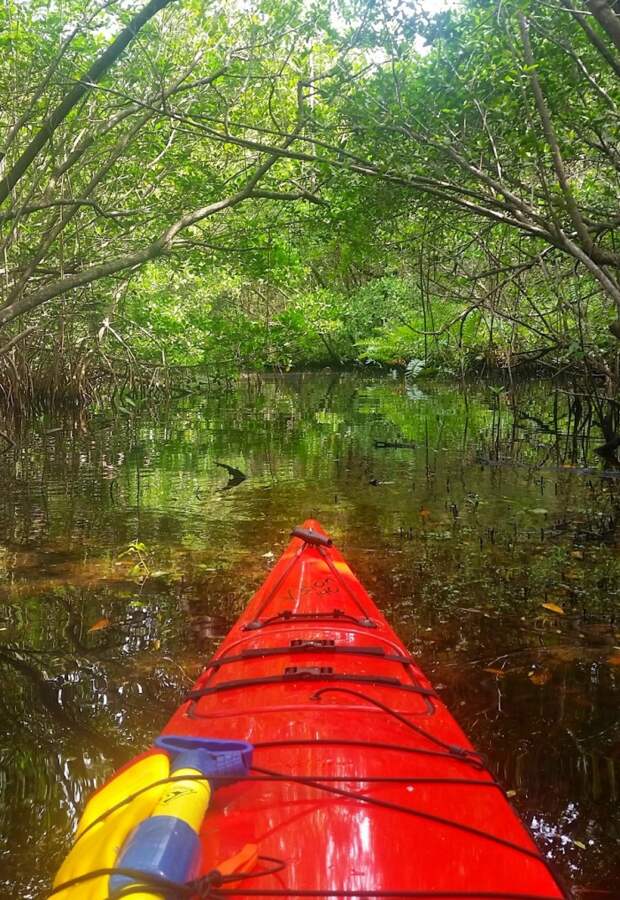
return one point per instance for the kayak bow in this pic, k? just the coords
(312, 758)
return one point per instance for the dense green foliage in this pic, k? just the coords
(294, 184)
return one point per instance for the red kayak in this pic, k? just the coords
(329, 765)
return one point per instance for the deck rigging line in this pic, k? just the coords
(287, 615)
(452, 749)
(217, 662)
(308, 675)
(256, 623)
(209, 886)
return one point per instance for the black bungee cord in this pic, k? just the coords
(197, 888)
(453, 749)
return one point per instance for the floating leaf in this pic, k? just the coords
(553, 607)
(424, 513)
(579, 844)
(498, 672)
(614, 660)
(541, 677)
(577, 554)
(511, 793)
(99, 625)
(539, 511)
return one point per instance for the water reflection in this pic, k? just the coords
(490, 541)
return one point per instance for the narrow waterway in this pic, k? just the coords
(130, 540)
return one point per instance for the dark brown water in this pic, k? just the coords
(126, 552)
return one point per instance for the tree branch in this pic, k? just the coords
(91, 77)
(157, 248)
(552, 141)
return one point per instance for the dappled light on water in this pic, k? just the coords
(129, 544)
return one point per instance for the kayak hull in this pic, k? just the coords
(306, 675)
(362, 783)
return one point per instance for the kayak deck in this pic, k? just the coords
(362, 782)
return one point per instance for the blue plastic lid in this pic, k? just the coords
(218, 760)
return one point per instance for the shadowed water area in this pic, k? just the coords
(490, 542)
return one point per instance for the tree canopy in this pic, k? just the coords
(285, 184)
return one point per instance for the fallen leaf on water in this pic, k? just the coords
(499, 672)
(614, 660)
(511, 793)
(577, 554)
(554, 608)
(539, 511)
(99, 625)
(539, 678)
(425, 513)
(580, 845)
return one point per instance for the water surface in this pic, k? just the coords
(126, 552)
